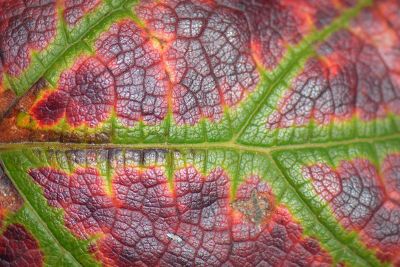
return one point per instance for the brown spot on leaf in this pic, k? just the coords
(257, 208)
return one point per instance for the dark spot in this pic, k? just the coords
(256, 209)
(19, 248)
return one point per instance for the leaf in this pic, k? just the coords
(199, 133)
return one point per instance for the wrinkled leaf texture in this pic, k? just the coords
(199, 133)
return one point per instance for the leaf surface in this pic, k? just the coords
(199, 133)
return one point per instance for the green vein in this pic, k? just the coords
(28, 205)
(281, 76)
(359, 253)
(212, 145)
(286, 69)
(304, 49)
(71, 41)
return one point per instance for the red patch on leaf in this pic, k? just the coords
(353, 189)
(140, 79)
(206, 49)
(356, 73)
(360, 202)
(50, 109)
(275, 25)
(1, 78)
(25, 25)
(391, 174)
(143, 222)
(85, 95)
(76, 9)
(192, 57)
(18, 248)
(196, 72)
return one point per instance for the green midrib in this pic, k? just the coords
(304, 50)
(195, 146)
(212, 146)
